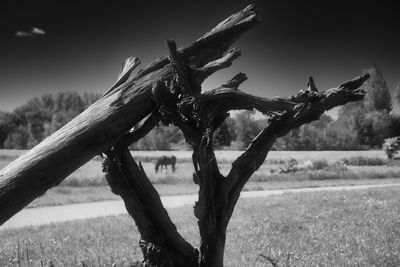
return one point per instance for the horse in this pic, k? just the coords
(165, 161)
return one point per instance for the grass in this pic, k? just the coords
(91, 174)
(364, 161)
(229, 156)
(81, 185)
(357, 228)
(62, 195)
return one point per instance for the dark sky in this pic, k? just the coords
(86, 42)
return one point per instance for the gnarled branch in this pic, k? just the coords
(99, 127)
(281, 124)
(218, 64)
(237, 80)
(161, 243)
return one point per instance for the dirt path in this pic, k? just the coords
(46, 215)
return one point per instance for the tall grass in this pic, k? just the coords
(322, 169)
(324, 166)
(357, 228)
(364, 161)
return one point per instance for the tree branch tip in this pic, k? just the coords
(237, 80)
(128, 66)
(132, 60)
(171, 45)
(234, 50)
(311, 85)
(366, 75)
(252, 9)
(170, 41)
(355, 83)
(232, 54)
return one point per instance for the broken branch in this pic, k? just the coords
(281, 123)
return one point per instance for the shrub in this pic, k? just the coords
(336, 171)
(320, 164)
(363, 161)
(290, 166)
(390, 146)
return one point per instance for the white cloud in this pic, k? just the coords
(23, 34)
(31, 33)
(38, 31)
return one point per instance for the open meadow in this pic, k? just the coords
(282, 169)
(357, 228)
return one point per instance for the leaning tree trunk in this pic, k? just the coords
(127, 102)
(169, 90)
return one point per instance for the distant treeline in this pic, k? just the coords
(361, 125)
(30, 123)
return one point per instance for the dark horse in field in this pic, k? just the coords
(165, 161)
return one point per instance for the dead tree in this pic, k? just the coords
(169, 91)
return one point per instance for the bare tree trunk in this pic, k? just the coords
(125, 104)
(170, 90)
(204, 113)
(161, 243)
(310, 105)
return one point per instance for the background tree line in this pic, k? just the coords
(30, 123)
(361, 125)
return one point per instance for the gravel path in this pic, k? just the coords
(46, 215)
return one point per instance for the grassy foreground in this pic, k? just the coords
(357, 228)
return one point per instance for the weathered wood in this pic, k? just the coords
(202, 114)
(224, 62)
(235, 81)
(160, 242)
(279, 125)
(102, 124)
(127, 67)
(309, 108)
(198, 115)
(170, 90)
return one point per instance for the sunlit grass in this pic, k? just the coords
(357, 228)
(88, 183)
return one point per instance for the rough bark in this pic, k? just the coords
(125, 104)
(160, 242)
(198, 117)
(169, 90)
(199, 114)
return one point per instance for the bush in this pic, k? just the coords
(363, 161)
(320, 164)
(336, 171)
(391, 146)
(290, 166)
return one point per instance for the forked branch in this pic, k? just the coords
(311, 105)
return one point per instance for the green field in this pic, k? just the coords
(88, 183)
(357, 228)
(91, 173)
